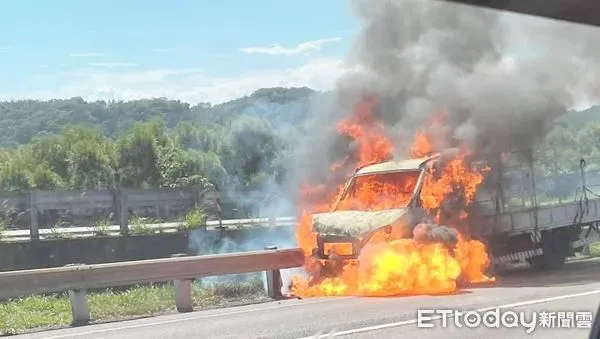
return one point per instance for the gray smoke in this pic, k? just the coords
(428, 233)
(203, 241)
(502, 78)
(221, 242)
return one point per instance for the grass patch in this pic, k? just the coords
(55, 232)
(53, 311)
(101, 227)
(194, 219)
(595, 249)
(140, 226)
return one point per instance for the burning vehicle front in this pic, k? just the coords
(380, 200)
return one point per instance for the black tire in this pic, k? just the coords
(555, 249)
(547, 262)
(536, 263)
(499, 270)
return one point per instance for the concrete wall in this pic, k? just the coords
(60, 252)
(249, 239)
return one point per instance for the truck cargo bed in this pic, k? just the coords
(539, 205)
(543, 217)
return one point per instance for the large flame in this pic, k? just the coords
(390, 265)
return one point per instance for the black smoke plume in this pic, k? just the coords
(501, 78)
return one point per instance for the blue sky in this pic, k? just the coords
(192, 50)
(195, 51)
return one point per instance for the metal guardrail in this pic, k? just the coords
(39, 208)
(181, 270)
(114, 230)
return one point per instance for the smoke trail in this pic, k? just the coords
(220, 242)
(252, 189)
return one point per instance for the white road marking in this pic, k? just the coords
(485, 309)
(331, 334)
(202, 316)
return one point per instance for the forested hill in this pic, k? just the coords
(580, 119)
(22, 120)
(286, 109)
(242, 145)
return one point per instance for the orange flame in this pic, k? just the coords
(392, 263)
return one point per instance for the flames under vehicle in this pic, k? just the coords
(506, 214)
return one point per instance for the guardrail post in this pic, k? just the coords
(79, 304)
(34, 227)
(183, 291)
(123, 212)
(274, 282)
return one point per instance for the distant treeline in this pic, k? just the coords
(241, 145)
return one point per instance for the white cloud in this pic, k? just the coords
(277, 49)
(189, 85)
(112, 64)
(86, 55)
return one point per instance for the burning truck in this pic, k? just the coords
(352, 223)
(434, 221)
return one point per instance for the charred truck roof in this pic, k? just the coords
(394, 166)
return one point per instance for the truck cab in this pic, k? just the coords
(378, 200)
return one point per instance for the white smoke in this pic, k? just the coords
(221, 242)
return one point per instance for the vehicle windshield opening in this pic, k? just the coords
(381, 191)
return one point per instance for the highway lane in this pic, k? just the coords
(577, 287)
(450, 330)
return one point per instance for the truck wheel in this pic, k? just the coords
(536, 263)
(547, 261)
(499, 269)
(553, 260)
(555, 249)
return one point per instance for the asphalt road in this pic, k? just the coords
(575, 288)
